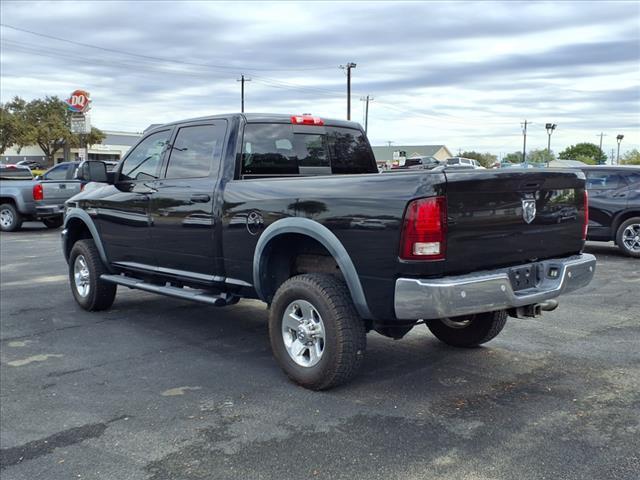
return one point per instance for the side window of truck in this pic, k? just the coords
(144, 160)
(196, 151)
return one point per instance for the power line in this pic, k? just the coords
(163, 59)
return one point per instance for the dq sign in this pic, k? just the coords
(79, 101)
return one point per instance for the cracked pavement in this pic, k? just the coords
(159, 388)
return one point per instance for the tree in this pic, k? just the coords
(95, 137)
(49, 122)
(582, 151)
(485, 159)
(13, 128)
(631, 157)
(540, 156)
(46, 123)
(515, 157)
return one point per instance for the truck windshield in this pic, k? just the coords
(282, 150)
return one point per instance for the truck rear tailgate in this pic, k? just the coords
(56, 192)
(501, 218)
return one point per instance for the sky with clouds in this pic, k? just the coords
(465, 74)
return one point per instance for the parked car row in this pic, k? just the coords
(426, 162)
(25, 198)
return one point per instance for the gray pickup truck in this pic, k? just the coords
(23, 198)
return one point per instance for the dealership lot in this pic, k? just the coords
(158, 388)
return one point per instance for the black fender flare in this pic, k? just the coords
(325, 237)
(84, 217)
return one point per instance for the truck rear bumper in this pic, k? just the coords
(45, 211)
(489, 290)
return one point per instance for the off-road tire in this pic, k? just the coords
(16, 222)
(53, 222)
(101, 294)
(620, 241)
(480, 328)
(345, 335)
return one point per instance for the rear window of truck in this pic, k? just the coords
(15, 173)
(277, 150)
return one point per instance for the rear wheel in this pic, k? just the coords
(10, 218)
(628, 237)
(468, 330)
(316, 334)
(53, 222)
(85, 268)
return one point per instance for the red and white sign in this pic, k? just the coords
(79, 101)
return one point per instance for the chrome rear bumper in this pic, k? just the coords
(488, 290)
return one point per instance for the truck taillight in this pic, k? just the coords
(424, 230)
(38, 192)
(585, 226)
(306, 120)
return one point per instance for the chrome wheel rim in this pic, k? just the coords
(6, 218)
(81, 276)
(303, 333)
(631, 237)
(456, 323)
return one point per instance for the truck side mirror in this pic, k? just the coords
(92, 171)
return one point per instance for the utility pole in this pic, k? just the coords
(601, 135)
(242, 79)
(524, 145)
(619, 140)
(366, 99)
(389, 142)
(348, 68)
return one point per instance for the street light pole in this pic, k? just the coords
(524, 144)
(619, 139)
(550, 127)
(348, 68)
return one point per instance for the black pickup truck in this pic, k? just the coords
(292, 210)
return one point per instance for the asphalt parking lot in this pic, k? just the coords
(159, 388)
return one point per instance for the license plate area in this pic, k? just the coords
(524, 277)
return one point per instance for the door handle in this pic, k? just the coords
(200, 198)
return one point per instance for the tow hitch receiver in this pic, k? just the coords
(532, 311)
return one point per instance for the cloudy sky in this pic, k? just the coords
(460, 73)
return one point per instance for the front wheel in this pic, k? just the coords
(53, 222)
(85, 268)
(468, 330)
(316, 334)
(628, 237)
(10, 218)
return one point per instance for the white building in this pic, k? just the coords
(112, 148)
